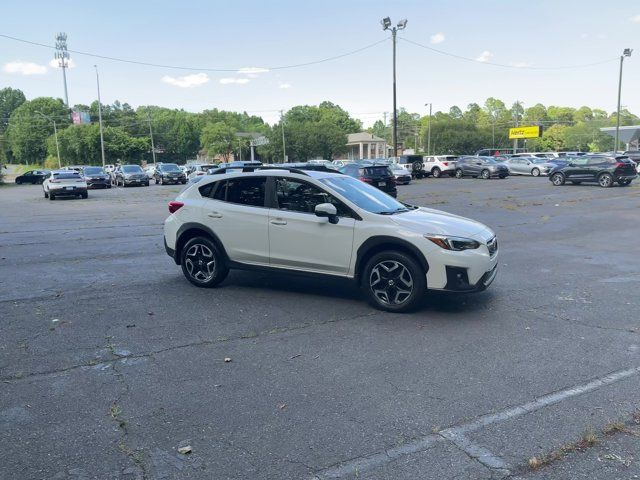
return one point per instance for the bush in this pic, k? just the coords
(51, 163)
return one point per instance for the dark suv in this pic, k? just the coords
(483, 167)
(605, 170)
(169, 173)
(379, 176)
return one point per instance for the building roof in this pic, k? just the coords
(627, 134)
(363, 137)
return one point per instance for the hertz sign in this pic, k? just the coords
(524, 132)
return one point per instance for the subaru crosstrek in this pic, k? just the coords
(316, 222)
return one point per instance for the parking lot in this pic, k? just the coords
(110, 361)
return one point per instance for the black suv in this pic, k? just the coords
(483, 167)
(605, 170)
(379, 176)
(169, 173)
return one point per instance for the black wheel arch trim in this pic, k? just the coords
(372, 243)
(190, 226)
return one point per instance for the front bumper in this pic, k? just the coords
(624, 177)
(98, 182)
(466, 271)
(175, 180)
(499, 173)
(136, 181)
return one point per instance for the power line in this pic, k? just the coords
(517, 67)
(201, 69)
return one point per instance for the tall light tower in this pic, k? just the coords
(625, 53)
(386, 25)
(62, 55)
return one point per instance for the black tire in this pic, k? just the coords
(109, 186)
(485, 174)
(624, 183)
(605, 180)
(502, 177)
(535, 172)
(183, 182)
(459, 173)
(18, 181)
(436, 172)
(85, 195)
(401, 269)
(46, 195)
(193, 259)
(52, 196)
(557, 179)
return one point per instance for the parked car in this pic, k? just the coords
(338, 164)
(64, 183)
(149, 171)
(414, 164)
(402, 176)
(96, 177)
(169, 173)
(602, 169)
(75, 168)
(200, 169)
(437, 165)
(379, 176)
(127, 175)
(32, 176)
(534, 166)
(483, 167)
(326, 163)
(324, 223)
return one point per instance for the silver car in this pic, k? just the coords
(528, 166)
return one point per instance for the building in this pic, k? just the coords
(362, 146)
(629, 135)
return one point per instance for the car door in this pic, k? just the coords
(236, 213)
(475, 166)
(577, 169)
(594, 166)
(299, 239)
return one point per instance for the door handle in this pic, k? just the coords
(214, 215)
(278, 221)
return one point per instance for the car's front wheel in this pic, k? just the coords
(535, 172)
(394, 281)
(605, 180)
(459, 173)
(557, 179)
(46, 195)
(202, 263)
(485, 174)
(436, 172)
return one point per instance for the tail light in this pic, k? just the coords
(54, 181)
(620, 165)
(446, 164)
(200, 173)
(175, 206)
(365, 179)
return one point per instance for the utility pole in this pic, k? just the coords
(153, 147)
(55, 134)
(284, 149)
(429, 129)
(63, 60)
(386, 25)
(625, 53)
(100, 116)
(515, 140)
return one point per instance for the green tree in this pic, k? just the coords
(553, 139)
(219, 139)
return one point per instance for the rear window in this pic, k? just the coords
(377, 171)
(66, 175)
(93, 171)
(169, 167)
(131, 169)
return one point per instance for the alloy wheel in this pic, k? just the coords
(436, 172)
(557, 180)
(485, 174)
(200, 262)
(535, 172)
(391, 282)
(605, 180)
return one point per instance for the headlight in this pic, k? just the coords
(453, 243)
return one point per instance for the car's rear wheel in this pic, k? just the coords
(535, 172)
(459, 173)
(85, 195)
(46, 195)
(436, 172)
(52, 196)
(605, 180)
(624, 183)
(485, 174)
(202, 263)
(557, 179)
(394, 281)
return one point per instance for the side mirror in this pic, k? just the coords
(327, 210)
(571, 164)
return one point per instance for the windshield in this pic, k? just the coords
(364, 196)
(489, 160)
(131, 169)
(539, 160)
(93, 171)
(170, 167)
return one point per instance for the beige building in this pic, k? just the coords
(363, 146)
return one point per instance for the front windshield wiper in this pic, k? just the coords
(393, 212)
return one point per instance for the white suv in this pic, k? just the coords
(438, 165)
(316, 222)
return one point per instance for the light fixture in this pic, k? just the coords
(402, 24)
(627, 52)
(386, 23)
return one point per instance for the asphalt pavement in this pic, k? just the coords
(110, 361)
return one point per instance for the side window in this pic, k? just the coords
(595, 161)
(207, 190)
(246, 191)
(298, 196)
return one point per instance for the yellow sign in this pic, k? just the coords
(524, 132)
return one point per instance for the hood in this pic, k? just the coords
(430, 221)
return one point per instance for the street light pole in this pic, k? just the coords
(625, 53)
(100, 116)
(386, 25)
(153, 147)
(429, 130)
(284, 150)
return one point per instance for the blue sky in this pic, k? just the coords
(258, 34)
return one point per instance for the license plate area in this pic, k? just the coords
(382, 184)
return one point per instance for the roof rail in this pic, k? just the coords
(299, 170)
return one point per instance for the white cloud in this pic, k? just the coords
(54, 63)
(635, 18)
(284, 86)
(485, 56)
(520, 64)
(584, 35)
(24, 68)
(230, 80)
(437, 38)
(601, 36)
(252, 70)
(188, 81)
